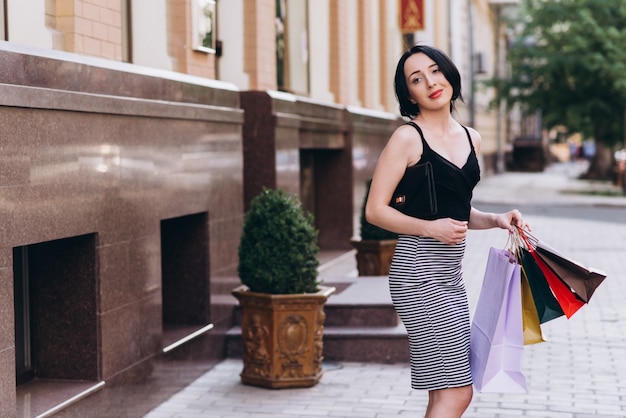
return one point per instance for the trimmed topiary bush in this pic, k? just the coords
(369, 231)
(278, 251)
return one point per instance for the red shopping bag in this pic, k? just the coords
(567, 299)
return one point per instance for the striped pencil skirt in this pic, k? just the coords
(428, 292)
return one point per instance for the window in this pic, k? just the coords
(204, 25)
(292, 46)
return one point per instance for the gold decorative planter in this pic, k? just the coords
(373, 257)
(282, 337)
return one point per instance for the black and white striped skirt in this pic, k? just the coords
(428, 292)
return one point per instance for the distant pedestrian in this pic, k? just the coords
(425, 280)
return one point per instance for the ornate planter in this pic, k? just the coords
(373, 257)
(282, 337)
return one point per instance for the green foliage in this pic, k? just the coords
(568, 59)
(369, 231)
(278, 251)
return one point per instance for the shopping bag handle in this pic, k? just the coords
(529, 240)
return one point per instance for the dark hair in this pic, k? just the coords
(446, 66)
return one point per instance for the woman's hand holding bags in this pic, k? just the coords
(524, 286)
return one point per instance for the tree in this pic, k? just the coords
(568, 59)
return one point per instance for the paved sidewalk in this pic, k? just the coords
(578, 373)
(556, 186)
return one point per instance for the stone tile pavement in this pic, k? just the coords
(580, 372)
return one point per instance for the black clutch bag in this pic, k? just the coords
(415, 194)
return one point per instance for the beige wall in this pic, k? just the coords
(338, 51)
(180, 43)
(90, 27)
(38, 33)
(149, 41)
(484, 42)
(231, 64)
(319, 47)
(365, 54)
(391, 47)
(259, 46)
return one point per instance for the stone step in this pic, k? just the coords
(359, 303)
(342, 316)
(361, 324)
(348, 315)
(366, 344)
(366, 315)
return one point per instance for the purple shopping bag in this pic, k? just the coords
(497, 339)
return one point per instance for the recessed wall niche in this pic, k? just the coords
(185, 277)
(56, 304)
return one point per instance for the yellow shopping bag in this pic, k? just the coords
(530, 317)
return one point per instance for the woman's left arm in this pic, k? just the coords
(486, 220)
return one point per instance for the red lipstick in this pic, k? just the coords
(435, 94)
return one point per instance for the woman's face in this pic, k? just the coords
(427, 85)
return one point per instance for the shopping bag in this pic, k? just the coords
(582, 280)
(496, 340)
(548, 307)
(567, 299)
(530, 317)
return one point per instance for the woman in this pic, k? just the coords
(425, 279)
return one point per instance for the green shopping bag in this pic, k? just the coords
(548, 307)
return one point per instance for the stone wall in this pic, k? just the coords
(106, 167)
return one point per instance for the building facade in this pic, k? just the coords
(135, 133)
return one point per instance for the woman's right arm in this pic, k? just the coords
(401, 151)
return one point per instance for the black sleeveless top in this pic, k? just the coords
(453, 185)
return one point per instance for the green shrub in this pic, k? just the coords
(278, 251)
(369, 231)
